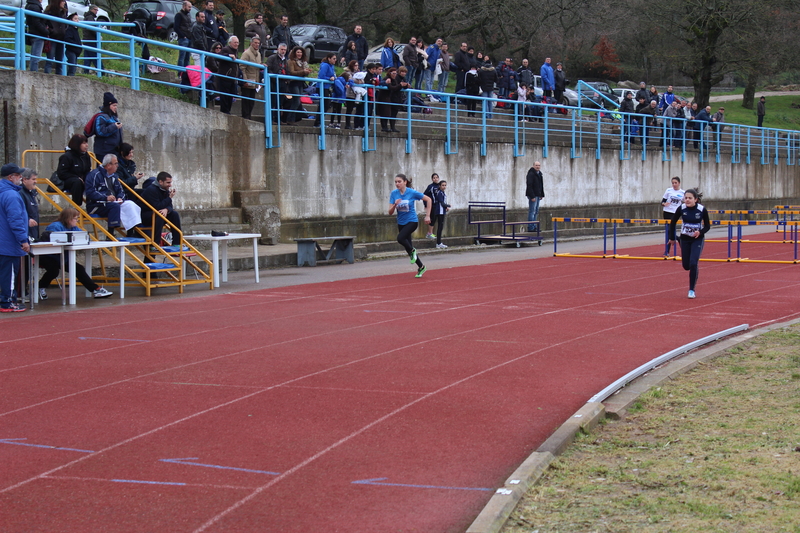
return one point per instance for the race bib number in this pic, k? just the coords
(402, 207)
(689, 229)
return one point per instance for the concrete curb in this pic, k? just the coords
(494, 515)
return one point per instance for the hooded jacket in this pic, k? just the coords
(13, 220)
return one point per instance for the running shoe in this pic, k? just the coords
(691, 295)
(101, 292)
(13, 308)
(441, 245)
(430, 236)
(413, 255)
(42, 294)
(421, 271)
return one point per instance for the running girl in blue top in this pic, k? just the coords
(402, 201)
(694, 226)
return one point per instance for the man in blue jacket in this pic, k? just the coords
(13, 236)
(104, 194)
(433, 52)
(548, 78)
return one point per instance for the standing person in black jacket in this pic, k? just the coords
(627, 107)
(90, 39)
(561, 82)
(212, 26)
(282, 34)
(73, 41)
(58, 31)
(183, 28)
(29, 195)
(534, 191)
(460, 66)
(74, 166)
(488, 77)
(199, 33)
(158, 195)
(362, 47)
(36, 28)
(229, 73)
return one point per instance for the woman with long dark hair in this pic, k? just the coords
(58, 31)
(401, 201)
(694, 226)
(74, 165)
(298, 66)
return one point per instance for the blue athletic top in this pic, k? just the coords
(692, 219)
(406, 212)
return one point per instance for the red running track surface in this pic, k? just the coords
(371, 405)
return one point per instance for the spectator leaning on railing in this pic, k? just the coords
(57, 32)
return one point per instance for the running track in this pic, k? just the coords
(384, 404)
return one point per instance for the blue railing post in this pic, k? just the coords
(203, 91)
(135, 65)
(408, 124)
(99, 54)
(447, 139)
(19, 40)
(485, 102)
(321, 111)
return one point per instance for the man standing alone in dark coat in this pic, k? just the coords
(534, 191)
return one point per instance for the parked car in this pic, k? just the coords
(318, 40)
(595, 100)
(622, 92)
(157, 16)
(570, 97)
(374, 55)
(73, 6)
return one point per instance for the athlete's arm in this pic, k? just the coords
(674, 222)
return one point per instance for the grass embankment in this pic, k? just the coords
(716, 450)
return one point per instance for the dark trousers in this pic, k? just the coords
(691, 249)
(174, 222)
(90, 57)
(75, 187)
(52, 266)
(248, 102)
(110, 210)
(404, 238)
(9, 278)
(228, 90)
(760, 121)
(437, 222)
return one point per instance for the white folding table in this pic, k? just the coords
(221, 267)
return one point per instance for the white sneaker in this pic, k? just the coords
(100, 292)
(441, 245)
(42, 294)
(691, 295)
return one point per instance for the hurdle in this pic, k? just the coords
(730, 224)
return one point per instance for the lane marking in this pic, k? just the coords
(14, 441)
(111, 339)
(144, 482)
(106, 480)
(379, 481)
(188, 461)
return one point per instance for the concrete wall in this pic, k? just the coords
(209, 154)
(344, 190)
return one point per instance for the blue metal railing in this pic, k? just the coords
(519, 122)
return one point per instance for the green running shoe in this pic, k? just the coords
(421, 271)
(413, 255)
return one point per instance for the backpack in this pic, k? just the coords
(89, 129)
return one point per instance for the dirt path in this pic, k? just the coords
(759, 94)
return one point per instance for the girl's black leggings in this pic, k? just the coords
(691, 249)
(404, 238)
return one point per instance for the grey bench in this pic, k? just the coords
(309, 251)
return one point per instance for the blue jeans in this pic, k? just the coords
(487, 105)
(89, 56)
(36, 54)
(183, 55)
(428, 78)
(410, 74)
(443, 78)
(533, 211)
(55, 57)
(72, 63)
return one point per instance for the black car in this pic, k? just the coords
(157, 16)
(595, 100)
(318, 40)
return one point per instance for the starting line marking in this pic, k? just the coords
(110, 339)
(188, 461)
(379, 481)
(14, 441)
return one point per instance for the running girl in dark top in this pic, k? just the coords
(694, 226)
(401, 201)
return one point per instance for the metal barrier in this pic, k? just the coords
(730, 224)
(585, 130)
